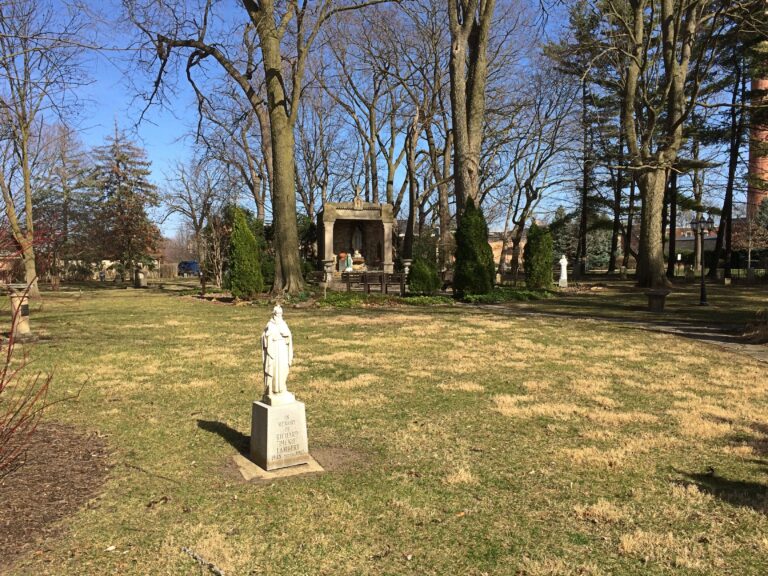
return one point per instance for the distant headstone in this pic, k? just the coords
(278, 423)
(139, 279)
(563, 283)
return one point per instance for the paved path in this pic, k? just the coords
(726, 336)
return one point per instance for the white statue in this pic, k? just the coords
(357, 240)
(348, 263)
(563, 283)
(277, 355)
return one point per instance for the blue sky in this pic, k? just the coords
(109, 98)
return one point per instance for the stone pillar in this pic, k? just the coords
(20, 315)
(328, 240)
(387, 248)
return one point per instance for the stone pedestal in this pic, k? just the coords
(20, 315)
(279, 435)
(656, 299)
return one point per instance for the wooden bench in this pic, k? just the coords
(382, 280)
(316, 277)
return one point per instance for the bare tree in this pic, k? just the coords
(470, 26)
(194, 192)
(39, 60)
(238, 136)
(667, 49)
(320, 140)
(285, 33)
(531, 162)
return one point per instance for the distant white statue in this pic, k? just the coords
(277, 355)
(357, 240)
(563, 283)
(348, 263)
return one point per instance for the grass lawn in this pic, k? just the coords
(456, 441)
(611, 298)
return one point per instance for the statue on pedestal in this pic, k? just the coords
(278, 421)
(563, 283)
(277, 357)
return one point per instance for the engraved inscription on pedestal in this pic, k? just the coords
(279, 435)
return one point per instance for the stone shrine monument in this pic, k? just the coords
(563, 283)
(356, 235)
(278, 421)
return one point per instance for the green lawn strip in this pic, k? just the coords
(442, 479)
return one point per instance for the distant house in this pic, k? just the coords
(496, 240)
(685, 240)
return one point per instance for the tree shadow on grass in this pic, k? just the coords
(735, 492)
(234, 438)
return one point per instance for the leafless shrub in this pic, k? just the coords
(22, 400)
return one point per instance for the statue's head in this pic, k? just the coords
(277, 311)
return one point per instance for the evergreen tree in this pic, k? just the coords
(245, 279)
(423, 277)
(538, 258)
(121, 229)
(475, 271)
(60, 200)
(762, 214)
(599, 245)
(564, 234)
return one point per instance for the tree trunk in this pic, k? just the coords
(265, 130)
(30, 271)
(372, 129)
(468, 68)
(288, 275)
(616, 231)
(580, 267)
(650, 263)
(672, 250)
(200, 246)
(724, 231)
(617, 189)
(412, 192)
(630, 217)
(517, 237)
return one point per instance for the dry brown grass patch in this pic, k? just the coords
(557, 567)
(461, 475)
(598, 435)
(212, 546)
(350, 356)
(523, 407)
(605, 402)
(536, 385)
(689, 494)
(698, 425)
(662, 548)
(600, 512)
(617, 456)
(359, 381)
(419, 436)
(588, 386)
(369, 401)
(609, 418)
(461, 386)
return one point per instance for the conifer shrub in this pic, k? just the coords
(423, 277)
(538, 258)
(475, 271)
(245, 279)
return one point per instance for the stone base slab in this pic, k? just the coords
(279, 435)
(249, 471)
